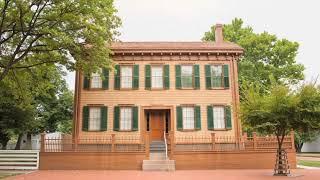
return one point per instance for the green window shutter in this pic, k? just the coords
(196, 76)
(210, 117)
(135, 81)
(116, 116)
(85, 118)
(166, 77)
(147, 77)
(104, 118)
(197, 115)
(228, 117)
(105, 82)
(226, 76)
(208, 76)
(86, 82)
(178, 77)
(135, 118)
(179, 118)
(117, 77)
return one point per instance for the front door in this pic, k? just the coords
(157, 125)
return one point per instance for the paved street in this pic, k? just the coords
(177, 175)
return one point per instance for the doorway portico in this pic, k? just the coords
(157, 121)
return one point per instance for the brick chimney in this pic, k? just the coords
(218, 33)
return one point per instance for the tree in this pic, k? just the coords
(309, 96)
(302, 137)
(264, 55)
(56, 111)
(15, 114)
(75, 34)
(279, 111)
(33, 101)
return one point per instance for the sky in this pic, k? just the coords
(187, 20)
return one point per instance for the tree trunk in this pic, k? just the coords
(18, 145)
(4, 139)
(298, 147)
(281, 167)
(29, 143)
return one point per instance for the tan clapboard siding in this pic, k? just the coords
(171, 97)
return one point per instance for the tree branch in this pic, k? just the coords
(32, 65)
(3, 14)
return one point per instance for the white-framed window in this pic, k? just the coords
(219, 117)
(216, 75)
(125, 118)
(186, 76)
(126, 76)
(96, 81)
(156, 76)
(188, 118)
(94, 119)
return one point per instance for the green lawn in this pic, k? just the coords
(309, 163)
(4, 175)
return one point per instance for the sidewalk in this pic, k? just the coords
(265, 174)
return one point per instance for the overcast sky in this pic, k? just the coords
(187, 20)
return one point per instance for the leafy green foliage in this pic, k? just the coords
(301, 137)
(282, 110)
(75, 34)
(264, 55)
(33, 101)
(56, 111)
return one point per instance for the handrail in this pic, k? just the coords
(165, 142)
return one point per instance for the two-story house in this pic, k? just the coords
(187, 88)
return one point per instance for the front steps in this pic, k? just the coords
(158, 160)
(158, 165)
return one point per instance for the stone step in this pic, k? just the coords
(157, 142)
(157, 145)
(158, 165)
(157, 150)
(157, 156)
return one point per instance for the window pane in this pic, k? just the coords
(125, 118)
(94, 119)
(186, 76)
(188, 117)
(216, 75)
(157, 77)
(218, 116)
(96, 81)
(126, 77)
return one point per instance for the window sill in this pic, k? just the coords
(156, 89)
(126, 89)
(94, 131)
(188, 89)
(125, 130)
(218, 88)
(96, 89)
(219, 129)
(189, 130)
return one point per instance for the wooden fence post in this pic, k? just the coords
(292, 139)
(172, 141)
(245, 137)
(113, 141)
(213, 140)
(147, 144)
(42, 145)
(254, 135)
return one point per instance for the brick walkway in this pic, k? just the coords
(177, 175)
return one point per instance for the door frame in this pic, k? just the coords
(143, 121)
